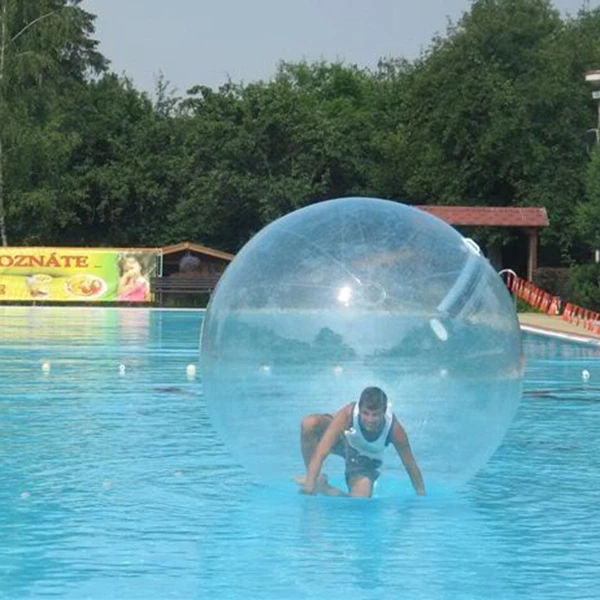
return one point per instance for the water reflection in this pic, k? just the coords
(418, 548)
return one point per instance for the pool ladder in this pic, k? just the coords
(509, 272)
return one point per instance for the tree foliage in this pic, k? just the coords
(492, 113)
(46, 53)
(496, 112)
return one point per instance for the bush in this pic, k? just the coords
(525, 307)
(556, 281)
(584, 286)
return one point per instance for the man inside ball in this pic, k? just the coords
(359, 433)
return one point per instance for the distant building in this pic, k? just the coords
(189, 259)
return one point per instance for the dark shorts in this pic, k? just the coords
(357, 465)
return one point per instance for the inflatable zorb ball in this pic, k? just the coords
(361, 292)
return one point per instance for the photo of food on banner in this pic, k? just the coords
(38, 285)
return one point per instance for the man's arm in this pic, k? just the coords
(337, 426)
(400, 441)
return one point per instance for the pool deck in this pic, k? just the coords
(556, 327)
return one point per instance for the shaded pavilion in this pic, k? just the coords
(530, 219)
(211, 262)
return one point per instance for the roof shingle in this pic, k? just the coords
(490, 215)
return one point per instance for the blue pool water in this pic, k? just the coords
(115, 486)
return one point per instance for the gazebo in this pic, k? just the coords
(528, 218)
(212, 262)
(189, 269)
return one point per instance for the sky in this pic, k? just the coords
(207, 42)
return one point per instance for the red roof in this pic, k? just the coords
(490, 215)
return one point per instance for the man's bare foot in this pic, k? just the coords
(322, 486)
(322, 482)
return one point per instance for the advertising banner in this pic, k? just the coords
(77, 274)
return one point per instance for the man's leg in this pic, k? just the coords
(312, 429)
(361, 487)
(361, 473)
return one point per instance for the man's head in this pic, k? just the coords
(371, 408)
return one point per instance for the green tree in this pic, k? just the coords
(588, 211)
(585, 35)
(106, 183)
(261, 150)
(495, 113)
(45, 51)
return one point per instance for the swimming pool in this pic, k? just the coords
(115, 486)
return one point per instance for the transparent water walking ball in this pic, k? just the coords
(351, 293)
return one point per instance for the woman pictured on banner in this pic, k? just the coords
(133, 285)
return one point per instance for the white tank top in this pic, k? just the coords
(372, 449)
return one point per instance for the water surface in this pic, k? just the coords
(115, 485)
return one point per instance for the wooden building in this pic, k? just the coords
(188, 269)
(529, 219)
(211, 262)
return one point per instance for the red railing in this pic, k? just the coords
(552, 305)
